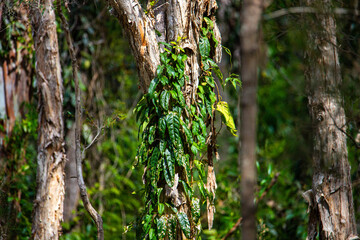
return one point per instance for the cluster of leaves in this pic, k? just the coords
(18, 180)
(174, 135)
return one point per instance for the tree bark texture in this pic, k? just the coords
(330, 200)
(168, 21)
(249, 45)
(48, 206)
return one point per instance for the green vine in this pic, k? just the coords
(175, 136)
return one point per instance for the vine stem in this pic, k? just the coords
(78, 156)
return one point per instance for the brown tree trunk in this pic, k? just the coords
(172, 19)
(330, 200)
(48, 206)
(250, 17)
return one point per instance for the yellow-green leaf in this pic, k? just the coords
(223, 108)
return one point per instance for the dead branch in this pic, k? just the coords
(78, 156)
(299, 10)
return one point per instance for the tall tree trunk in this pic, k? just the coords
(250, 17)
(48, 206)
(168, 21)
(330, 200)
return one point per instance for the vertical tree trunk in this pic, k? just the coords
(48, 206)
(168, 21)
(250, 17)
(330, 200)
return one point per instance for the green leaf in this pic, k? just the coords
(162, 146)
(218, 73)
(161, 226)
(187, 132)
(195, 209)
(184, 223)
(159, 70)
(210, 81)
(209, 22)
(162, 127)
(151, 134)
(154, 162)
(195, 128)
(169, 168)
(164, 100)
(223, 108)
(152, 86)
(171, 226)
(204, 47)
(187, 188)
(173, 125)
(171, 71)
(152, 234)
(164, 80)
(161, 208)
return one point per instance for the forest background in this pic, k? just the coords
(109, 85)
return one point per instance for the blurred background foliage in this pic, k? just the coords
(109, 84)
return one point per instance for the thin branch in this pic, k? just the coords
(233, 229)
(263, 195)
(343, 131)
(295, 10)
(83, 192)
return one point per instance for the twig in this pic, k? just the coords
(343, 131)
(233, 229)
(292, 10)
(263, 195)
(273, 181)
(78, 156)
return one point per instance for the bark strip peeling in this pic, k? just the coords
(330, 200)
(48, 207)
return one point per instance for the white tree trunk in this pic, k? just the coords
(48, 207)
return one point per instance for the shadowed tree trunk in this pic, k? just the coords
(249, 44)
(168, 21)
(48, 206)
(330, 200)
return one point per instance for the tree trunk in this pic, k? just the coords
(48, 206)
(250, 17)
(168, 21)
(330, 200)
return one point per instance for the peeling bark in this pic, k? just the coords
(48, 206)
(168, 21)
(330, 200)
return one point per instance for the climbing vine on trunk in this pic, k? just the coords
(176, 140)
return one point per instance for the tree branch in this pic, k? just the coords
(294, 10)
(263, 195)
(78, 156)
(141, 32)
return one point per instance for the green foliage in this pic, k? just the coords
(173, 134)
(18, 178)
